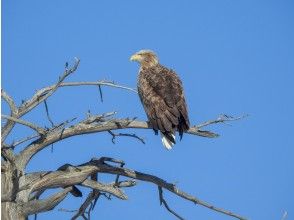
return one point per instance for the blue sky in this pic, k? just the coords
(234, 57)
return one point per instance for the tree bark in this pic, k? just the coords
(11, 211)
(10, 208)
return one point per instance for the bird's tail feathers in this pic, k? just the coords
(168, 140)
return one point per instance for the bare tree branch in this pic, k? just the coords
(15, 143)
(80, 173)
(97, 83)
(43, 94)
(47, 113)
(14, 111)
(109, 188)
(94, 195)
(221, 119)
(37, 206)
(93, 125)
(106, 168)
(38, 129)
(114, 135)
(162, 201)
(9, 101)
(38, 98)
(100, 92)
(66, 210)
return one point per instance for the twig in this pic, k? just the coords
(108, 159)
(37, 98)
(220, 119)
(162, 201)
(47, 113)
(117, 176)
(62, 125)
(40, 130)
(15, 143)
(97, 118)
(100, 92)
(42, 95)
(125, 183)
(92, 196)
(94, 177)
(66, 210)
(97, 83)
(114, 135)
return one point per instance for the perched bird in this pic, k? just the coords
(161, 93)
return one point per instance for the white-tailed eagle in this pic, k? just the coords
(162, 95)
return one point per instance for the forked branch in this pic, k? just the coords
(79, 174)
(95, 124)
(37, 206)
(38, 98)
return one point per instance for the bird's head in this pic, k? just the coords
(147, 58)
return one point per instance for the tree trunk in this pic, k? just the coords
(10, 208)
(11, 211)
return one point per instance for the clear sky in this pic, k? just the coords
(234, 57)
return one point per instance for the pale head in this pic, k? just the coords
(147, 58)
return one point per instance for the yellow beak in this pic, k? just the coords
(135, 57)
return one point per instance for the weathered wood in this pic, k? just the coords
(10, 209)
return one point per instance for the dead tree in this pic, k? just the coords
(21, 190)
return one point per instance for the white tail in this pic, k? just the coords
(166, 142)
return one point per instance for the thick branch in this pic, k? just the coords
(37, 206)
(80, 173)
(109, 188)
(14, 110)
(10, 102)
(93, 126)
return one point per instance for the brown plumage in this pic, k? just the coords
(161, 93)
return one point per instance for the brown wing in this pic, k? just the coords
(161, 93)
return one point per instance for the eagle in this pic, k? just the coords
(162, 96)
